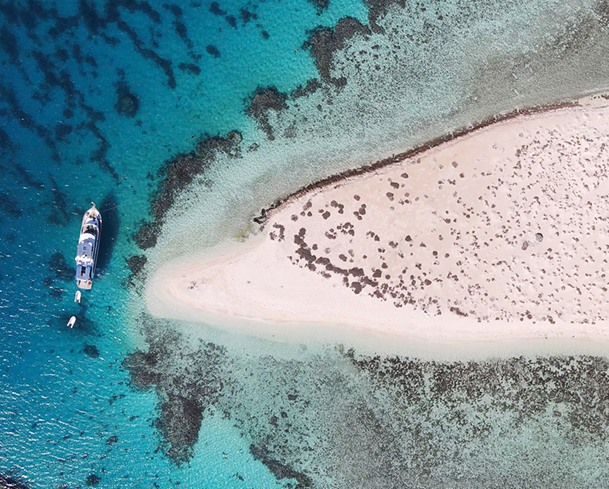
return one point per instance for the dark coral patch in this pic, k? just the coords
(145, 52)
(60, 214)
(91, 351)
(179, 172)
(246, 15)
(190, 68)
(185, 397)
(323, 42)
(263, 101)
(93, 480)
(136, 264)
(280, 470)
(8, 43)
(5, 141)
(180, 421)
(127, 102)
(213, 50)
(62, 131)
(215, 9)
(310, 87)
(9, 205)
(377, 9)
(112, 440)
(9, 482)
(60, 268)
(320, 5)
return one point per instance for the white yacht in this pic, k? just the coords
(88, 248)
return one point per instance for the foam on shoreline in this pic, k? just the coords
(496, 235)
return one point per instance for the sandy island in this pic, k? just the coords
(502, 233)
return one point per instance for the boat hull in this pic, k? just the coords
(88, 248)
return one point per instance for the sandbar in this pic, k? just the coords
(498, 234)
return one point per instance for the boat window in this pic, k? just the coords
(82, 271)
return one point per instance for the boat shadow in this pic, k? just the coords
(109, 233)
(83, 323)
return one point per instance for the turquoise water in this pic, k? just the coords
(96, 97)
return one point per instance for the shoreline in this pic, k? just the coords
(220, 302)
(266, 212)
(230, 328)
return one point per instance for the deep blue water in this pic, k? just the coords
(96, 96)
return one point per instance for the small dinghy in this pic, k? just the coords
(88, 248)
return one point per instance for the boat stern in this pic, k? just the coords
(84, 284)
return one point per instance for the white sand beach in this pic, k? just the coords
(500, 234)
